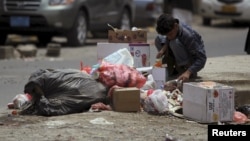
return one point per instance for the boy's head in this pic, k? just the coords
(167, 25)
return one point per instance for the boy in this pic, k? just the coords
(183, 50)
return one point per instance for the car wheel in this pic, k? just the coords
(206, 21)
(44, 39)
(125, 22)
(78, 34)
(3, 38)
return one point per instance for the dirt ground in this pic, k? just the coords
(99, 126)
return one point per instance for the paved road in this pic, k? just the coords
(221, 39)
(14, 74)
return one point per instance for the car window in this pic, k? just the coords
(159, 1)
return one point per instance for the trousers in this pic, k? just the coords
(173, 70)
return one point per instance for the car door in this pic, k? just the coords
(103, 12)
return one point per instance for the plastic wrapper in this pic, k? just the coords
(150, 83)
(239, 117)
(121, 56)
(245, 109)
(156, 103)
(21, 99)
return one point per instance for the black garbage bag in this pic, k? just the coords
(62, 91)
(245, 109)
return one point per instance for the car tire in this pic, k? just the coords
(206, 21)
(3, 38)
(78, 33)
(125, 21)
(44, 39)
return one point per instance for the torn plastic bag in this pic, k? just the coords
(62, 91)
(156, 103)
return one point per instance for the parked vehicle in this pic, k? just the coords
(236, 10)
(70, 18)
(147, 12)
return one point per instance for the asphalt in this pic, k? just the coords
(229, 70)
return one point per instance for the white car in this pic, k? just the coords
(236, 10)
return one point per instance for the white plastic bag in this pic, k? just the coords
(150, 83)
(121, 56)
(156, 103)
(20, 99)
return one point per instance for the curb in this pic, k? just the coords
(242, 89)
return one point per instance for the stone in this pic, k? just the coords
(28, 50)
(53, 50)
(6, 52)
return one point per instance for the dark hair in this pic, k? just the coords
(165, 23)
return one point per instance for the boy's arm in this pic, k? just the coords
(162, 51)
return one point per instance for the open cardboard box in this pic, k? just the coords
(127, 36)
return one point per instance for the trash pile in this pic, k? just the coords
(59, 92)
(108, 85)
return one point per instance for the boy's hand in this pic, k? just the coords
(185, 76)
(159, 55)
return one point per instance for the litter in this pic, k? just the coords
(62, 91)
(101, 121)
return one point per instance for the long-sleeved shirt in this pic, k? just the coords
(188, 48)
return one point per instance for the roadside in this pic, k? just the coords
(110, 125)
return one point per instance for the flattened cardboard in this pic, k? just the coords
(127, 36)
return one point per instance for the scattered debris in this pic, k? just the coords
(101, 121)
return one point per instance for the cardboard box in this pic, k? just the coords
(160, 76)
(139, 51)
(127, 36)
(141, 54)
(208, 102)
(105, 49)
(126, 99)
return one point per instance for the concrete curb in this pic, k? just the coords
(242, 89)
(230, 70)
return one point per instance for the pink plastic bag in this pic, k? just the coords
(239, 117)
(120, 75)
